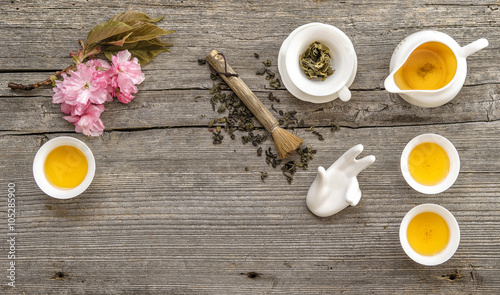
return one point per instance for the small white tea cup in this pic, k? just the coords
(39, 173)
(452, 155)
(450, 248)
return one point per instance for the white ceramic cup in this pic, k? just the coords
(343, 59)
(450, 248)
(452, 155)
(39, 173)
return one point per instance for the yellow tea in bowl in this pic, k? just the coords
(65, 167)
(428, 163)
(430, 66)
(428, 233)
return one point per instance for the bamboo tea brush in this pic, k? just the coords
(286, 142)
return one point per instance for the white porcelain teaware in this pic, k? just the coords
(337, 187)
(450, 248)
(39, 173)
(344, 63)
(453, 156)
(431, 98)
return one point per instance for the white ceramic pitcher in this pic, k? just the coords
(438, 97)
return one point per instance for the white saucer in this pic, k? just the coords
(288, 82)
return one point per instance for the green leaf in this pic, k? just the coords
(121, 41)
(106, 30)
(159, 42)
(144, 51)
(146, 31)
(132, 15)
(142, 31)
(140, 37)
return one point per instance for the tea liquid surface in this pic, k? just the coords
(428, 233)
(428, 163)
(66, 167)
(430, 66)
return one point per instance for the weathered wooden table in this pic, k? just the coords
(168, 212)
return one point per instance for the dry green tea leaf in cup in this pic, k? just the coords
(315, 61)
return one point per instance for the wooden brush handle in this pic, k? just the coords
(244, 93)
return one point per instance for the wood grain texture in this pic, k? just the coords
(168, 212)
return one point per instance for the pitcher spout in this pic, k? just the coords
(390, 84)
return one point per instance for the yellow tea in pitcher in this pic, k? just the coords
(66, 167)
(430, 66)
(428, 233)
(428, 163)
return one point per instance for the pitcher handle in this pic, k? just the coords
(474, 46)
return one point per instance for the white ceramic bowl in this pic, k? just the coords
(452, 155)
(39, 173)
(453, 243)
(343, 57)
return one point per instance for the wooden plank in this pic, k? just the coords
(178, 108)
(168, 212)
(200, 28)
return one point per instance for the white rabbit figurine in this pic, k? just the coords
(336, 188)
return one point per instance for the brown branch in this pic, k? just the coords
(41, 83)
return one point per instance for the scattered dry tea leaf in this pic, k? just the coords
(335, 127)
(261, 71)
(263, 176)
(271, 97)
(275, 83)
(289, 169)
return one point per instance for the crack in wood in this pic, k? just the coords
(138, 129)
(491, 109)
(453, 276)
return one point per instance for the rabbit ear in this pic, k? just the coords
(348, 158)
(360, 165)
(321, 174)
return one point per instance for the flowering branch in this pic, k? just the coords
(48, 81)
(128, 40)
(130, 30)
(77, 58)
(83, 92)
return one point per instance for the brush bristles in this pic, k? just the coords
(286, 142)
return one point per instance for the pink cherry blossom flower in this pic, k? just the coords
(66, 108)
(125, 74)
(59, 94)
(88, 84)
(83, 92)
(82, 86)
(76, 110)
(98, 64)
(90, 123)
(101, 78)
